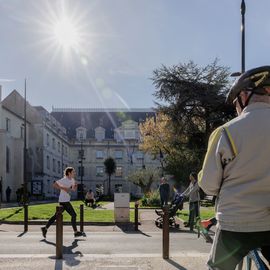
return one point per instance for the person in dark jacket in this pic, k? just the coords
(8, 192)
(164, 191)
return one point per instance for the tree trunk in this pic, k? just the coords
(109, 186)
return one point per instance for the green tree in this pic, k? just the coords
(110, 168)
(193, 100)
(144, 178)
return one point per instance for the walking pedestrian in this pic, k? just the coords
(164, 191)
(8, 192)
(66, 185)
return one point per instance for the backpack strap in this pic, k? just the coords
(230, 141)
(232, 147)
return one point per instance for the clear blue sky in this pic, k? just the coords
(113, 46)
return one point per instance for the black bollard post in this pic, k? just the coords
(81, 218)
(59, 232)
(136, 216)
(165, 232)
(25, 207)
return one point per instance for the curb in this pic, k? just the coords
(86, 223)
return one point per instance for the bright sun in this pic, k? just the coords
(66, 34)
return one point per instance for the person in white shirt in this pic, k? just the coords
(66, 185)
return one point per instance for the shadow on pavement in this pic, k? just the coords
(176, 265)
(21, 234)
(129, 228)
(71, 260)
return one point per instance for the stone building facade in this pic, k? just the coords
(82, 138)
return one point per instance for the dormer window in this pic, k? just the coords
(81, 133)
(99, 134)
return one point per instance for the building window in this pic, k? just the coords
(58, 166)
(22, 132)
(81, 171)
(7, 159)
(53, 143)
(53, 165)
(129, 134)
(7, 124)
(58, 146)
(140, 155)
(118, 154)
(99, 171)
(48, 139)
(48, 162)
(119, 171)
(99, 154)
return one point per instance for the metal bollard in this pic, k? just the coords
(165, 232)
(136, 216)
(59, 232)
(81, 217)
(25, 207)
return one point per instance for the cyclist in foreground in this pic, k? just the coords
(236, 170)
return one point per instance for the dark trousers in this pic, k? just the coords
(67, 206)
(164, 201)
(193, 213)
(229, 248)
(90, 201)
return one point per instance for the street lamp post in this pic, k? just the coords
(1, 189)
(24, 168)
(243, 11)
(81, 156)
(161, 157)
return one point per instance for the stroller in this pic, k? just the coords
(176, 204)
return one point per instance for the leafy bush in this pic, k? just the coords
(151, 199)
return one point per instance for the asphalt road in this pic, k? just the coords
(101, 243)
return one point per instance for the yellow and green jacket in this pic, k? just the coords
(236, 169)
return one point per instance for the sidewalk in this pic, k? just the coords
(132, 261)
(103, 262)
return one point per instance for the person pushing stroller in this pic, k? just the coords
(192, 192)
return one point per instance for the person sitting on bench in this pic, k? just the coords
(89, 198)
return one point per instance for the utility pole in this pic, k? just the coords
(81, 161)
(243, 11)
(81, 156)
(25, 193)
(1, 189)
(62, 156)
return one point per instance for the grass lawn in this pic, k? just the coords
(205, 213)
(132, 205)
(45, 211)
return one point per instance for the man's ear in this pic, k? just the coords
(267, 89)
(245, 96)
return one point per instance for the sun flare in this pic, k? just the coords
(66, 34)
